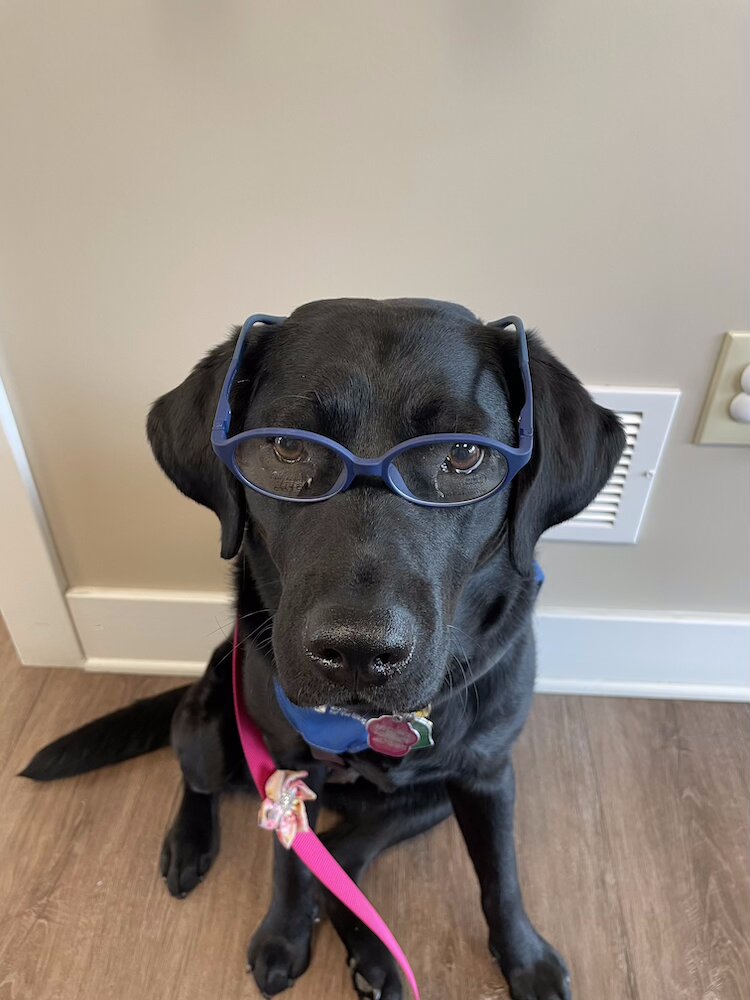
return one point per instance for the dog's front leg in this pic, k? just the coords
(279, 951)
(484, 808)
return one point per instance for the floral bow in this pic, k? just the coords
(283, 808)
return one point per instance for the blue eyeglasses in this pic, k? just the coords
(435, 470)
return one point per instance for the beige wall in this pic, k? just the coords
(169, 167)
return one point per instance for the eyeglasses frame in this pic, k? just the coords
(383, 467)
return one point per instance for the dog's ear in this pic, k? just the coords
(576, 446)
(179, 431)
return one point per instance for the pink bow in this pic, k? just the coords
(283, 808)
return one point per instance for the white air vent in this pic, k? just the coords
(616, 513)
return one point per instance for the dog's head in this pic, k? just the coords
(364, 585)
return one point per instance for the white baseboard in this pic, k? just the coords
(644, 654)
(600, 652)
(156, 629)
(162, 668)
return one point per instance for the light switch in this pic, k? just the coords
(722, 420)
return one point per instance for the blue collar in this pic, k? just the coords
(334, 732)
(338, 731)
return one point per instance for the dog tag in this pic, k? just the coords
(392, 735)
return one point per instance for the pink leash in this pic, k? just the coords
(306, 845)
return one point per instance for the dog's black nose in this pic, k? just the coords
(368, 647)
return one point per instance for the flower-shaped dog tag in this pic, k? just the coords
(391, 735)
(283, 808)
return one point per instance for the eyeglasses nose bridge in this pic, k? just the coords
(374, 468)
(369, 467)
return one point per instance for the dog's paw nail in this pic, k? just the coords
(249, 967)
(364, 988)
(182, 895)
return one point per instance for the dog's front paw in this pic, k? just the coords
(547, 979)
(279, 953)
(187, 854)
(375, 977)
(542, 975)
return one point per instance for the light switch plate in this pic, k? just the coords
(715, 425)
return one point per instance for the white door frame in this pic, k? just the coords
(32, 582)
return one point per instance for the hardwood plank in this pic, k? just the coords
(20, 691)
(564, 854)
(61, 841)
(673, 786)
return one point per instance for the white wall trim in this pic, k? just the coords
(157, 626)
(643, 654)
(32, 583)
(164, 668)
(581, 651)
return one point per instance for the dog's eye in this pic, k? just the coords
(465, 457)
(288, 449)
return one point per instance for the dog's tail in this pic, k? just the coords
(138, 729)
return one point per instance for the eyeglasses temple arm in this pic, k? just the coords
(223, 416)
(526, 417)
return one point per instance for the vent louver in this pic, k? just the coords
(615, 515)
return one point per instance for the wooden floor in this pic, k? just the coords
(634, 839)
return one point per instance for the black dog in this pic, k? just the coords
(353, 569)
